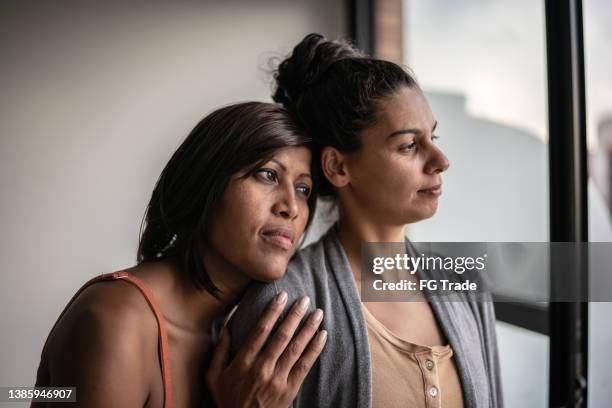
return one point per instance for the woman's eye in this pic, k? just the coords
(304, 190)
(408, 147)
(268, 175)
(434, 138)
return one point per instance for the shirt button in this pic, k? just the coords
(433, 391)
(429, 364)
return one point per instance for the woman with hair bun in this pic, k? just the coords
(373, 132)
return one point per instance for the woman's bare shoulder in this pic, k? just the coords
(110, 304)
(108, 335)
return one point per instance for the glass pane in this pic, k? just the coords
(597, 18)
(522, 351)
(482, 65)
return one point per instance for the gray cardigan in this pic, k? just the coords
(342, 375)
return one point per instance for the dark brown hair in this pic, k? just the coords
(230, 139)
(334, 90)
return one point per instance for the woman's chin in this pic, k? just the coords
(424, 214)
(270, 274)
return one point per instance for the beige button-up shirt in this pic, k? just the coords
(405, 374)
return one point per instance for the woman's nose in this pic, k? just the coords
(438, 162)
(286, 205)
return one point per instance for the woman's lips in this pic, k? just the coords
(433, 191)
(279, 237)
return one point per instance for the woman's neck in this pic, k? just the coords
(228, 279)
(353, 230)
(188, 307)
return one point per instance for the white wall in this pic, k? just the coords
(95, 100)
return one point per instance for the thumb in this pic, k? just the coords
(220, 355)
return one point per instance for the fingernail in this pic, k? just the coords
(304, 303)
(317, 315)
(281, 298)
(322, 336)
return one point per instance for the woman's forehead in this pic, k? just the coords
(293, 158)
(406, 109)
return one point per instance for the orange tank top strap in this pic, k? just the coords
(164, 352)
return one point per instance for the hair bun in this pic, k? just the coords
(309, 60)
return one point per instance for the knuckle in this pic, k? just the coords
(283, 336)
(312, 324)
(263, 378)
(261, 329)
(303, 366)
(296, 312)
(277, 385)
(261, 372)
(266, 355)
(275, 307)
(295, 347)
(273, 302)
(242, 367)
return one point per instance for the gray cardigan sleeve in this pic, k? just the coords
(341, 375)
(259, 295)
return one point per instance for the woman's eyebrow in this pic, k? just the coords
(415, 131)
(282, 166)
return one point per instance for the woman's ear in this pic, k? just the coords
(333, 163)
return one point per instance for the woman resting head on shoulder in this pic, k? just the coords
(229, 207)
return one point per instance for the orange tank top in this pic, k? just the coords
(164, 355)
